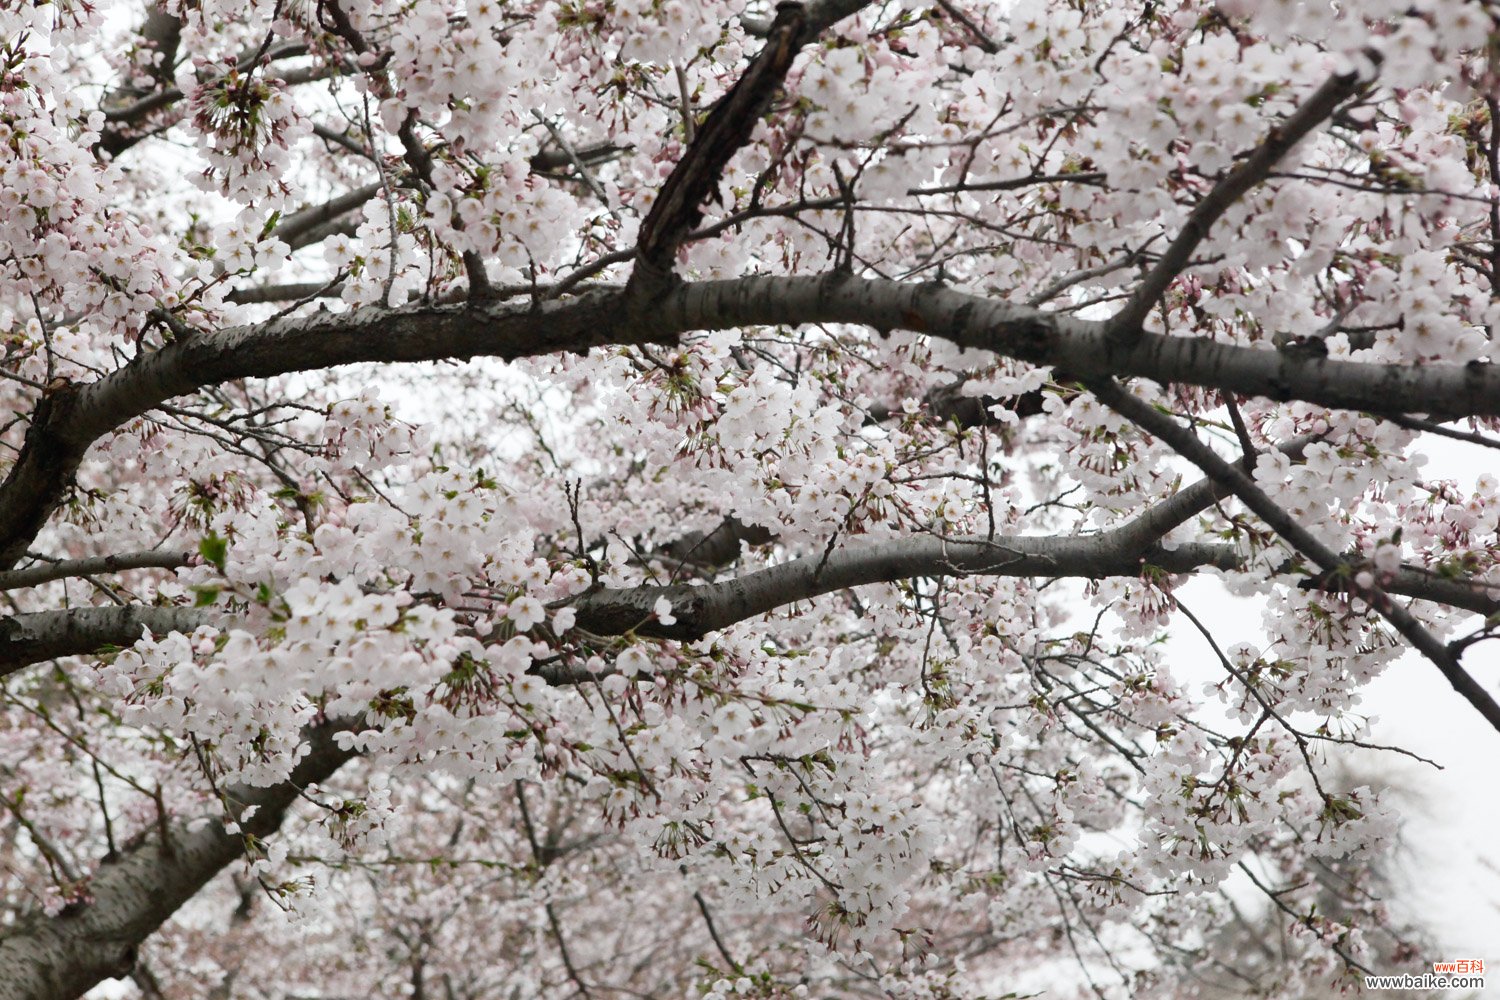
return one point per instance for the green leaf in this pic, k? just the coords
(214, 550)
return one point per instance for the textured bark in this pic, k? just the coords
(678, 207)
(68, 420)
(61, 957)
(1084, 348)
(46, 635)
(706, 608)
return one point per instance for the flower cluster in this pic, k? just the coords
(491, 580)
(246, 124)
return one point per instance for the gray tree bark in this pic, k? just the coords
(67, 422)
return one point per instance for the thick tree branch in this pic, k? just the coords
(820, 16)
(549, 160)
(161, 33)
(71, 417)
(699, 609)
(677, 209)
(704, 608)
(68, 419)
(46, 635)
(1082, 347)
(717, 547)
(291, 292)
(949, 404)
(43, 635)
(62, 957)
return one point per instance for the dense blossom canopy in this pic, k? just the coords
(535, 498)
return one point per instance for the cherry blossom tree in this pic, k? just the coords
(548, 498)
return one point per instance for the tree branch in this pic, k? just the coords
(678, 206)
(1127, 323)
(717, 547)
(1187, 444)
(296, 229)
(704, 608)
(67, 420)
(46, 572)
(1153, 524)
(62, 957)
(45, 635)
(70, 418)
(821, 15)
